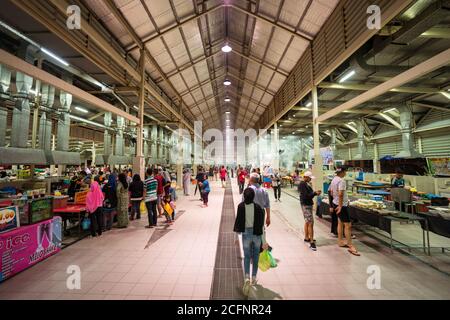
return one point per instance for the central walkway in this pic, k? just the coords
(179, 262)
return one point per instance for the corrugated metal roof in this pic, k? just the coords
(262, 57)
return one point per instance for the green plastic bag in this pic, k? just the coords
(273, 263)
(264, 261)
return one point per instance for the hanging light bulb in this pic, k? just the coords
(227, 82)
(226, 48)
(227, 99)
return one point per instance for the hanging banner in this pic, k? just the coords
(23, 247)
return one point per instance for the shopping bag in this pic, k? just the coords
(143, 207)
(273, 263)
(86, 223)
(264, 261)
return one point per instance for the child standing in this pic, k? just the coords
(169, 209)
(205, 189)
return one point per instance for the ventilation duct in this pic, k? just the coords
(154, 145)
(362, 148)
(107, 137)
(408, 150)
(5, 81)
(146, 137)
(62, 156)
(333, 141)
(21, 113)
(65, 100)
(18, 153)
(118, 158)
(45, 125)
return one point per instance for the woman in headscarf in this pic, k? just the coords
(110, 191)
(122, 201)
(186, 181)
(94, 204)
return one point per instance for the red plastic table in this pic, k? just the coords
(73, 210)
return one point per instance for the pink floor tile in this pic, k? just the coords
(121, 288)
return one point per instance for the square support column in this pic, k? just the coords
(276, 147)
(318, 161)
(139, 160)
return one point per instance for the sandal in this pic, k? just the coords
(354, 252)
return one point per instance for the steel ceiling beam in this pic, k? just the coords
(180, 24)
(431, 106)
(188, 65)
(366, 87)
(20, 65)
(105, 45)
(124, 22)
(303, 35)
(436, 62)
(183, 37)
(255, 60)
(225, 75)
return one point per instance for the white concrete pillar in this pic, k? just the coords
(139, 160)
(154, 145)
(318, 161)
(276, 147)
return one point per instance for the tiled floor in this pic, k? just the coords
(333, 273)
(180, 264)
(117, 266)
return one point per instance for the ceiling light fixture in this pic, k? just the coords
(21, 35)
(309, 104)
(226, 48)
(228, 112)
(227, 99)
(227, 82)
(81, 109)
(54, 56)
(347, 76)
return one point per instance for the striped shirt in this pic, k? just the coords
(151, 185)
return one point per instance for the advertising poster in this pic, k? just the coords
(440, 166)
(9, 218)
(80, 197)
(326, 153)
(26, 246)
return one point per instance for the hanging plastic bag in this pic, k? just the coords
(264, 261)
(273, 262)
(143, 207)
(86, 223)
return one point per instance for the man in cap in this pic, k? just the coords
(306, 201)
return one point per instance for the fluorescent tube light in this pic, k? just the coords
(347, 76)
(54, 56)
(81, 109)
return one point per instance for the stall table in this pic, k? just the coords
(362, 185)
(73, 211)
(384, 222)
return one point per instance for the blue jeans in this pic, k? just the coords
(152, 212)
(251, 244)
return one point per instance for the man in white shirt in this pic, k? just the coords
(338, 191)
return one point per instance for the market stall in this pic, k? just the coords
(28, 235)
(372, 214)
